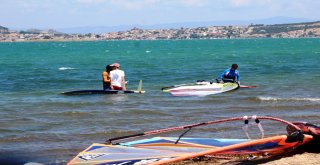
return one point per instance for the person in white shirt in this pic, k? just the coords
(118, 81)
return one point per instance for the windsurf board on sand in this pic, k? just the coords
(163, 150)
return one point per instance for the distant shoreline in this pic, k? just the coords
(295, 30)
(54, 40)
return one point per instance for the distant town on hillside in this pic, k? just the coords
(294, 30)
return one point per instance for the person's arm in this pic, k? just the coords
(238, 77)
(222, 76)
(123, 83)
(106, 77)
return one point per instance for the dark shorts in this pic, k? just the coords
(106, 88)
(116, 88)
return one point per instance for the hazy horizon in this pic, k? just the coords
(177, 25)
(59, 14)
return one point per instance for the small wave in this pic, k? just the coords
(147, 112)
(66, 68)
(148, 51)
(289, 99)
(75, 113)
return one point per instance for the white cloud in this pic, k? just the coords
(141, 4)
(92, 1)
(240, 2)
(134, 4)
(198, 3)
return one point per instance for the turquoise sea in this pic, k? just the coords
(37, 124)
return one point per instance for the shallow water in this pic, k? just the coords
(38, 124)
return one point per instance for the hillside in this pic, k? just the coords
(294, 30)
(3, 29)
(304, 29)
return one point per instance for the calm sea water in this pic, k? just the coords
(37, 124)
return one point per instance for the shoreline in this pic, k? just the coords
(252, 38)
(295, 30)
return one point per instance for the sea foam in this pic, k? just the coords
(315, 99)
(66, 68)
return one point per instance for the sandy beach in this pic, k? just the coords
(304, 158)
(296, 159)
(307, 155)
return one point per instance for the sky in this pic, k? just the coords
(81, 13)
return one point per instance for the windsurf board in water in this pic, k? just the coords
(203, 89)
(89, 92)
(200, 82)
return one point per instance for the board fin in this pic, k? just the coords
(140, 87)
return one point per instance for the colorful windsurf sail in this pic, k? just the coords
(163, 150)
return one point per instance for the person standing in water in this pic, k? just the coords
(106, 78)
(117, 76)
(231, 74)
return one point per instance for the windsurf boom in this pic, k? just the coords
(163, 150)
